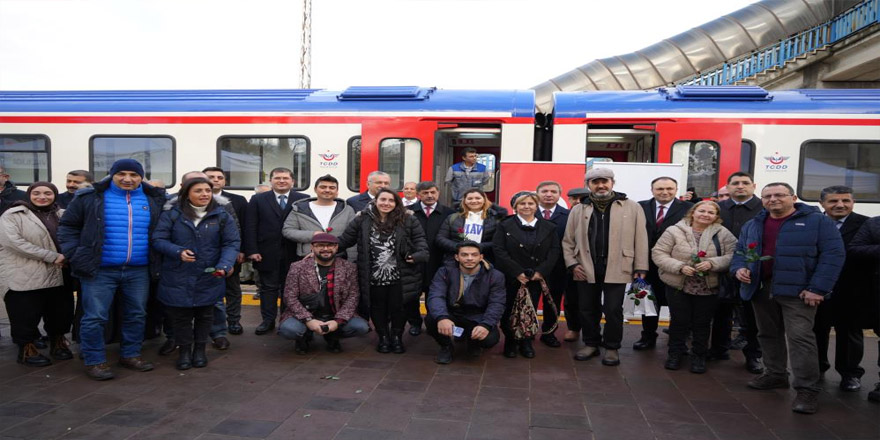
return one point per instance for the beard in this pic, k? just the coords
(324, 259)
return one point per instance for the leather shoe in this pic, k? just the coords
(333, 345)
(234, 328)
(136, 363)
(586, 353)
(645, 344)
(301, 346)
(698, 364)
(265, 327)
(850, 384)
(874, 396)
(221, 343)
(60, 348)
(768, 382)
(611, 358)
(415, 330)
(551, 341)
(673, 362)
(199, 357)
(754, 365)
(570, 336)
(509, 348)
(725, 356)
(806, 402)
(444, 356)
(184, 358)
(384, 345)
(526, 349)
(99, 371)
(168, 347)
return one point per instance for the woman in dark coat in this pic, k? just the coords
(199, 242)
(476, 221)
(526, 248)
(390, 244)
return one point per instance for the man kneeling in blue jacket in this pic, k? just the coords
(465, 301)
(806, 256)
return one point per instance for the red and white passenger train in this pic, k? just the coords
(808, 138)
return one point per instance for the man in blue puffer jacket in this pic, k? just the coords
(806, 256)
(105, 237)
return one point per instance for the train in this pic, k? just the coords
(810, 139)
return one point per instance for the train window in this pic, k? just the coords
(855, 164)
(747, 157)
(248, 160)
(25, 158)
(701, 159)
(402, 160)
(488, 160)
(354, 164)
(155, 153)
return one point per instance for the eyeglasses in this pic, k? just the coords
(324, 245)
(775, 196)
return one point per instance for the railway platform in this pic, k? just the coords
(261, 389)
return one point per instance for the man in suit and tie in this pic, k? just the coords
(843, 310)
(548, 209)
(264, 244)
(661, 211)
(430, 214)
(375, 181)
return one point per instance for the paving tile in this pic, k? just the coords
(403, 385)
(611, 423)
(386, 410)
(498, 430)
(848, 430)
(131, 418)
(333, 404)
(104, 432)
(559, 421)
(376, 365)
(311, 423)
(540, 433)
(25, 409)
(682, 431)
(245, 428)
(366, 434)
(504, 393)
(623, 399)
(737, 426)
(423, 429)
(719, 406)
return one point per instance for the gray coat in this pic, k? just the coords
(301, 224)
(27, 252)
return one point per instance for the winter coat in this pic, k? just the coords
(301, 225)
(866, 246)
(215, 242)
(10, 194)
(809, 254)
(448, 236)
(459, 180)
(483, 302)
(83, 225)
(514, 257)
(302, 282)
(677, 246)
(27, 252)
(409, 241)
(627, 241)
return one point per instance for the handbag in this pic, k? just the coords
(728, 288)
(524, 317)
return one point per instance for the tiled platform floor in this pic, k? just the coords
(261, 389)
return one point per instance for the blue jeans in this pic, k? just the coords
(218, 327)
(295, 329)
(97, 297)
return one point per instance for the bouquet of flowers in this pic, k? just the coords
(638, 292)
(751, 255)
(697, 259)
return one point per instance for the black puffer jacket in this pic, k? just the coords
(449, 235)
(410, 241)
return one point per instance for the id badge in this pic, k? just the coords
(457, 331)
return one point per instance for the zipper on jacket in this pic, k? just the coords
(130, 226)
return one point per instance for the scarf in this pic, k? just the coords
(602, 203)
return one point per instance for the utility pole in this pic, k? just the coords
(305, 59)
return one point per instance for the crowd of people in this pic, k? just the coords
(781, 271)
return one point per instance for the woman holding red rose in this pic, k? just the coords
(476, 221)
(690, 256)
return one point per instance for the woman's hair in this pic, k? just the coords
(394, 218)
(486, 203)
(520, 197)
(689, 217)
(183, 197)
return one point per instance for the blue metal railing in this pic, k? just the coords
(853, 20)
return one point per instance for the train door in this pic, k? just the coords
(452, 140)
(710, 151)
(399, 147)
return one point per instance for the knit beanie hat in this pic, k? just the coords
(127, 165)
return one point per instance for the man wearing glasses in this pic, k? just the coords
(806, 255)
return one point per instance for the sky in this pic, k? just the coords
(254, 44)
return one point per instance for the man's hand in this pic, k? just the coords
(579, 273)
(255, 257)
(744, 275)
(187, 256)
(332, 325)
(444, 327)
(479, 333)
(240, 258)
(811, 299)
(315, 326)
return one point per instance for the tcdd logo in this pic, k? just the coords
(328, 159)
(777, 162)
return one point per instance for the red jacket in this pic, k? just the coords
(302, 281)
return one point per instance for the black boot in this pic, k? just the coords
(384, 345)
(526, 349)
(199, 358)
(28, 355)
(60, 350)
(184, 359)
(397, 341)
(509, 347)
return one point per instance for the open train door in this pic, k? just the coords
(709, 151)
(401, 147)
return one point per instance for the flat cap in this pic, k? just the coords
(577, 192)
(324, 238)
(599, 173)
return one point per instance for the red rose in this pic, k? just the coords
(461, 230)
(701, 254)
(753, 245)
(641, 294)
(329, 229)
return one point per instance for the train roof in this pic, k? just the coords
(718, 99)
(513, 103)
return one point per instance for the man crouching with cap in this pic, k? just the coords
(105, 236)
(605, 246)
(321, 294)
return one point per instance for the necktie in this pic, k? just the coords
(660, 215)
(427, 211)
(282, 202)
(839, 224)
(546, 214)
